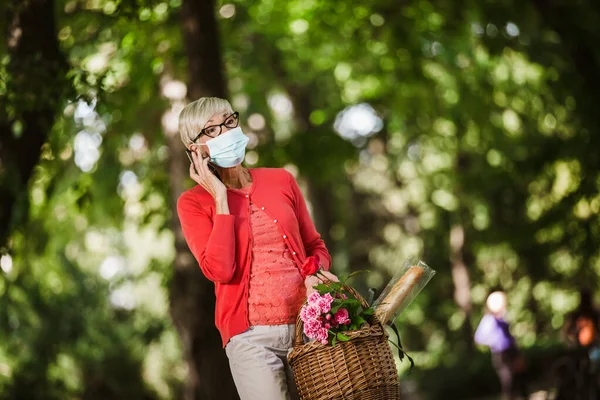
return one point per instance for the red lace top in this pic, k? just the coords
(276, 289)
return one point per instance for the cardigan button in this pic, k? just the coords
(262, 208)
(247, 196)
(275, 221)
(294, 253)
(284, 236)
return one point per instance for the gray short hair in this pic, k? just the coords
(195, 115)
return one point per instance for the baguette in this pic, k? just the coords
(398, 294)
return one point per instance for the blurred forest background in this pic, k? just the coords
(465, 132)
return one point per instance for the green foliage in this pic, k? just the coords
(488, 115)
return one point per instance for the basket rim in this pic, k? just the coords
(368, 330)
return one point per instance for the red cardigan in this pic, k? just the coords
(222, 243)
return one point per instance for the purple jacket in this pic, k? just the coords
(494, 333)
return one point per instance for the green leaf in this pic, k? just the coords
(323, 288)
(352, 302)
(368, 312)
(362, 271)
(342, 338)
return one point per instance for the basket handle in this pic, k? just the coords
(300, 324)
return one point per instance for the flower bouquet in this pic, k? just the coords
(332, 310)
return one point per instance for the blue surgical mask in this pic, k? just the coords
(228, 149)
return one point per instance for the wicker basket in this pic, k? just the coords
(361, 368)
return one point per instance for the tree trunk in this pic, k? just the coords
(203, 49)
(35, 83)
(320, 196)
(192, 295)
(461, 280)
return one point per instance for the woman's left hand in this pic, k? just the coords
(313, 280)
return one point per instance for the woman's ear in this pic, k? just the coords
(201, 150)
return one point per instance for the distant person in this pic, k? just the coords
(493, 332)
(582, 325)
(578, 378)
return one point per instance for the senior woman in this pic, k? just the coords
(252, 235)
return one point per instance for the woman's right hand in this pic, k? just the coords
(204, 177)
(313, 280)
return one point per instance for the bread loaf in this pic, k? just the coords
(399, 293)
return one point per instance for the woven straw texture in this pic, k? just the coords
(361, 368)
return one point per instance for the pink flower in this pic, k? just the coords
(328, 317)
(322, 334)
(341, 317)
(312, 328)
(324, 304)
(314, 298)
(327, 326)
(310, 311)
(324, 341)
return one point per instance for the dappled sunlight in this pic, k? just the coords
(251, 158)
(481, 217)
(6, 263)
(498, 263)
(563, 301)
(342, 71)
(550, 234)
(564, 263)
(86, 150)
(394, 201)
(402, 124)
(511, 122)
(87, 141)
(122, 297)
(444, 199)
(227, 10)
(554, 184)
(358, 122)
(436, 161)
(111, 267)
(256, 122)
(568, 177)
(392, 233)
(173, 89)
(281, 105)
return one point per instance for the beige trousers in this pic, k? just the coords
(258, 361)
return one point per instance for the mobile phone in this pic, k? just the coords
(189, 156)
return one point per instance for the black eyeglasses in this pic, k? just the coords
(213, 131)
